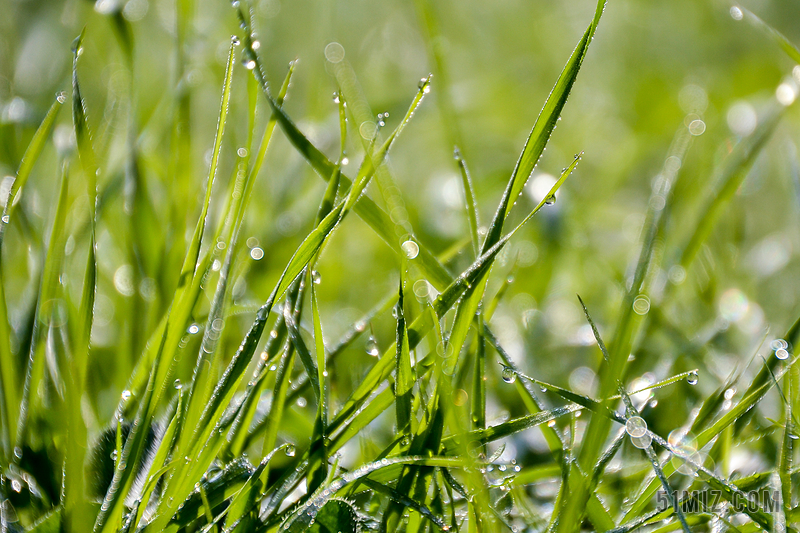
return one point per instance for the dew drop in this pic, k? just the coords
(126, 395)
(61, 97)
(697, 127)
(194, 328)
(777, 344)
(736, 13)
(250, 64)
(372, 346)
(425, 85)
(234, 39)
(290, 450)
(509, 376)
(642, 442)
(345, 161)
(5, 219)
(782, 354)
(410, 248)
(550, 200)
(636, 426)
(641, 305)
(177, 384)
(315, 277)
(114, 455)
(691, 379)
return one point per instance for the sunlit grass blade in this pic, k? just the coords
(631, 412)
(10, 394)
(577, 490)
(542, 129)
(163, 360)
(319, 471)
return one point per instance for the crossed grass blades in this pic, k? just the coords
(176, 457)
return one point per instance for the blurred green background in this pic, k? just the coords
(653, 68)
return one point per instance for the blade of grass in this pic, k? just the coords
(8, 372)
(785, 44)
(163, 360)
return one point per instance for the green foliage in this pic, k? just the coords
(168, 314)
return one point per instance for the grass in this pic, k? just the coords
(164, 369)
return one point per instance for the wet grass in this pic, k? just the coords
(167, 370)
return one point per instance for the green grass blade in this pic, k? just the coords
(785, 44)
(305, 514)
(319, 472)
(542, 129)
(163, 360)
(8, 372)
(469, 200)
(404, 380)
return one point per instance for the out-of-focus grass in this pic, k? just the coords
(678, 229)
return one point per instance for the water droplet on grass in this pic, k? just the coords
(691, 379)
(61, 97)
(641, 305)
(736, 13)
(777, 344)
(290, 450)
(315, 277)
(334, 52)
(372, 346)
(177, 384)
(234, 39)
(636, 426)
(782, 354)
(642, 442)
(509, 376)
(425, 85)
(126, 395)
(550, 200)
(697, 127)
(410, 248)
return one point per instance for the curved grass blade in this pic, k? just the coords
(542, 129)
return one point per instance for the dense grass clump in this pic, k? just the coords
(221, 310)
